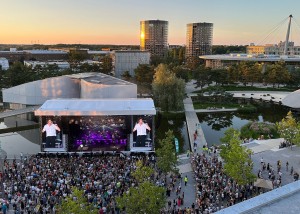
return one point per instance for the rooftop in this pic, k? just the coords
(96, 107)
(251, 57)
(99, 78)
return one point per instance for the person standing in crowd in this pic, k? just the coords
(50, 130)
(141, 129)
(185, 180)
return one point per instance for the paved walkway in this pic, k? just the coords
(193, 125)
(189, 190)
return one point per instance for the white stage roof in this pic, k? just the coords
(96, 107)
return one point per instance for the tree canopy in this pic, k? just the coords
(166, 156)
(168, 90)
(237, 158)
(76, 203)
(146, 198)
(289, 129)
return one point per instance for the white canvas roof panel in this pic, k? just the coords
(96, 107)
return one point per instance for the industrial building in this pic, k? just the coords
(60, 64)
(199, 39)
(4, 65)
(154, 37)
(40, 55)
(224, 61)
(83, 85)
(128, 61)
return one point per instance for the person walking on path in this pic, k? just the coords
(287, 166)
(185, 180)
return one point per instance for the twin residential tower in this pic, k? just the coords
(154, 38)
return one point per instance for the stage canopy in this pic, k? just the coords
(96, 107)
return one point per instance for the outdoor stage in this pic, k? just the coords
(97, 125)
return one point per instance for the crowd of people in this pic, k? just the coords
(215, 190)
(40, 183)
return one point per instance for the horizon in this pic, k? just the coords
(100, 22)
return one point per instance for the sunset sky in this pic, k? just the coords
(117, 21)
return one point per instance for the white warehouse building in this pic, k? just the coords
(76, 86)
(4, 63)
(128, 60)
(60, 64)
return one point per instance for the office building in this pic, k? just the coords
(128, 61)
(199, 39)
(154, 37)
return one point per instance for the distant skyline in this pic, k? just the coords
(237, 22)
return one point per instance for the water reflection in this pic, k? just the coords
(215, 124)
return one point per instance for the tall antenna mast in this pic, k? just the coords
(287, 36)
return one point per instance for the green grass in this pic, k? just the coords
(199, 105)
(246, 88)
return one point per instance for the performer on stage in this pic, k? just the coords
(50, 129)
(141, 129)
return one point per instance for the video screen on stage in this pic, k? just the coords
(99, 133)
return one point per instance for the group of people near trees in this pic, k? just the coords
(41, 183)
(215, 190)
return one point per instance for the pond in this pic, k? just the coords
(215, 124)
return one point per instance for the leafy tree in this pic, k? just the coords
(166, 156)
(253, 73)
(146, 198)
(181, 72)
(237, 158)
(168, 90)
(142, 172)
(106, 66)
(126, 75)
(193, 62)
(202, 75)
(233, 73)
(144, 73)
(277, 74)
(295, 77)
(76, 203)
(219, 76)
(77, 56)
(289, 129)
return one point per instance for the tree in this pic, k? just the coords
(202, 75)
(168, 90)
(181, 72)
(126, 75)
(237, 158)
(289, 129)
(166, 156)
(142, 172)
(144, 73)
(76, 203)
(106, 66)
(277, 74)
(146, 198)
(193, 62)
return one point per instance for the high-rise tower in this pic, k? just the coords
(154, 37)
(199, 39)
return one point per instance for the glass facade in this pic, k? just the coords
(154, 37)
(199, 39)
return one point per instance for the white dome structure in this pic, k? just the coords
(292, 100)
